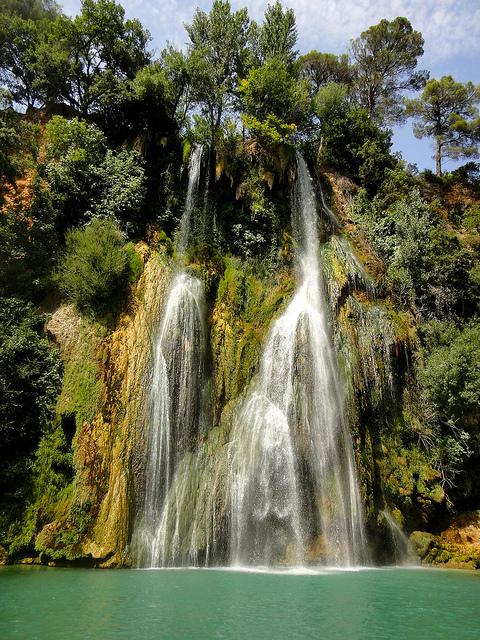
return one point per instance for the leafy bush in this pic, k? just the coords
(95, 268)
(28, 244)
(452, 373)
(30, 380)
(135, 263)
(86, 179)
(401, 236)
(356, 147)
(451, 392)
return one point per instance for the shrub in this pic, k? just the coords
(95, 267)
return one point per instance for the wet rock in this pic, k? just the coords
(458, 547)
(3, 556)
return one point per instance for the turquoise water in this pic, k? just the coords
(41, 603)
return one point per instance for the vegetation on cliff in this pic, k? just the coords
(92, 188)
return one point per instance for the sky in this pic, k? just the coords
(450, 28)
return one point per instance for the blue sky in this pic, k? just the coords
(451, 29)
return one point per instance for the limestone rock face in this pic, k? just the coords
(105, 389)
(457, 547)
(464, 532)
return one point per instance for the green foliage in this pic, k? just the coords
(86, 179)
(20, 39)
(452, 374)
(30, 375)
(471, 218)
(454, 278)
(384, 59)
(98, 40)
(135, 263)
(35, 10)
(325, 68)
(330, 101)
(28, 245)
(17, 140)
(30, 380)
(275, 101)
(410, 480)
(356, 147)
(270, 132)
(81, 395)
(277, 36)
(242, 314)
(95, 268)
(446, 112)
(400, 234)
(451, 392)
(217, 49)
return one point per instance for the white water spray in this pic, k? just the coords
(175, 396)
(293, 480)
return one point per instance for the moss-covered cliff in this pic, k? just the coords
(90, 472)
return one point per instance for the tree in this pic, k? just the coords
(277, 36)
(385, 57)
(353, 144)
(19, 41)
(16, 140)
(163, 92)
(32, 9)
(276, 104)
(217, 48)
(94, 42)
(324, 68)
(447, 112)
(451, 376)
(23, 34)
(28, 244)
(86, 179)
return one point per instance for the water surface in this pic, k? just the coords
(401, 604)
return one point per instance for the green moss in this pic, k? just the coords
(82, 384)
(135, 263)
(52, 486)
(187, 146)
(240, 318)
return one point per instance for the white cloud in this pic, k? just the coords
(451, 28)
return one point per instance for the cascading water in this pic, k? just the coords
(175, 396)
(192, 189)
(292, 477)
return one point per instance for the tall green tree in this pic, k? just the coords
(218, 54)
(324, 68)
(277, 36)
(19, 41)
(23, 34)
(447, 112)
(384, 60)
(276, 104)
(97, 41)
(32, 9)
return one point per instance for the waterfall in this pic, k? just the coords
(293, 481)
(175, 412)
(398, 539)
(192, 189)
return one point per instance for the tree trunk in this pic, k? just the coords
(438, 159)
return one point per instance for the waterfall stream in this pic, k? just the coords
(294, 487)
(176, 392)
(283, 488)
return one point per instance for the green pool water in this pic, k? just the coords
(70, 604)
